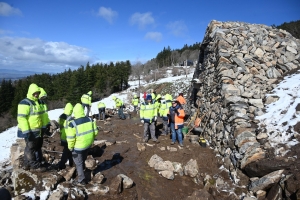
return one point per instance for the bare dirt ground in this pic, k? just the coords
(123, 157)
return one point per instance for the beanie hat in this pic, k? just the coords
(149, 97)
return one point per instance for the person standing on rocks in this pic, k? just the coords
(64, 120)
(148, 115)
(176, 119)
(86, 101)
(101, 109)
(119, 106)
(163, 111)
(30, 123)
(81, 133)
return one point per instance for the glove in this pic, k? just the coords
(142, 121)
(155, 118)
(71, 150)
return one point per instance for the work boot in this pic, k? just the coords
(156, 141)
(172, 143)
(181, 145)
(82, 183)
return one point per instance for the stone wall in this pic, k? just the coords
(239, 64)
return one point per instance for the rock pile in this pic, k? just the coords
(54, 184)
(239, 63)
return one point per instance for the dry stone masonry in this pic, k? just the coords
(239, 63)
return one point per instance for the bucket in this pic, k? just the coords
(185, 130)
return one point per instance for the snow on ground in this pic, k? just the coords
(281, 116)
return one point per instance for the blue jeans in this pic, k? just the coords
(121, 114)
(175, 132)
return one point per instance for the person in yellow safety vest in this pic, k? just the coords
(45, 116)
(30, 122)
(135, 102)
(119, 106)
(163, 111)
(101, 109)
(157, 103)
(153, 96)
(63, 121)
(148, 116)
(86, 101)
(176, 119)
(81, 133)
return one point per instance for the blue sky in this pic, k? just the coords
(54, 35)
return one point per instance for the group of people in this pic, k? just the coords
(171, 112)
(77, 132)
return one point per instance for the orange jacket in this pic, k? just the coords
(181, 100)
(178, 118)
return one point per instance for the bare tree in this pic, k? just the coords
(174, 57)
(138, 70)
(186, 55)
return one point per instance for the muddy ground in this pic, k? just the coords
(123, 157)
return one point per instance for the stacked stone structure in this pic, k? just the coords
(239, 63)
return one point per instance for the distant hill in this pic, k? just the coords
(292, 27)
(15, 74)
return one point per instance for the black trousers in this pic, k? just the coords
(66, 155)
(33, 156)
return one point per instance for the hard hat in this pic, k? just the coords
(134, 96)
(114, 98)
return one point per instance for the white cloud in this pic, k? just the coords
(156, 36)
(177, 28)
(142, 19)
(7, 10)
(41, 55)
(5, 32)
(108, 14)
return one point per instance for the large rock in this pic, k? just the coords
(191, 168)
(265, 166)
(154, 159)
(23, 181)
(16, 151)
(164, 165)
(126, 181)
(67, 173)
(253, 154)
(98, 178)
(98, 189)
(90, 163)
(167, 174)
(266, 181)
(116, 185)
